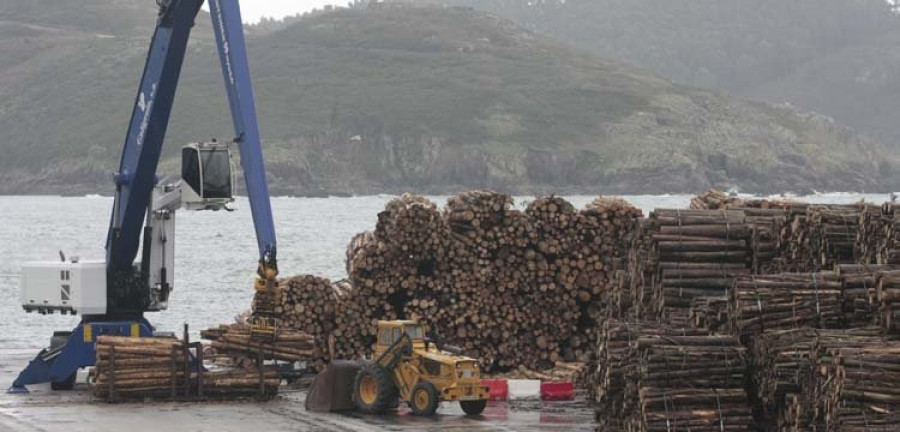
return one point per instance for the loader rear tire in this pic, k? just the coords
(374, 391)
(424, 399)
(473, 408)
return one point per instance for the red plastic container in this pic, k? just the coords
(557, 391)
(499, 389)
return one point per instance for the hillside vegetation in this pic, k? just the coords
(836, 57)
(410, 98)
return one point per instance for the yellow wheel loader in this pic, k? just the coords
(411, 368)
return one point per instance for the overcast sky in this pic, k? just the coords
(253, 10)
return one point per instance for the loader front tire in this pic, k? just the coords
(424, 399)
(473, 408)
(374, 391)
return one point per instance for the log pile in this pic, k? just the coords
(697, 254)
(612, 372)
(288, 345)
(860, 292)
(889, 247)
(711, 313)
(784, 301)
(308, 304)
(784, 363)
(871, 231)
(691, 383)
(833, 234)
(820, 238)
(856, 386)
(140, 368)
(510, 287)
(887, 298)
(715, 200)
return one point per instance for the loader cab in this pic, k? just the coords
(390, 332)
(207, 171)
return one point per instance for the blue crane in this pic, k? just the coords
(112, 296)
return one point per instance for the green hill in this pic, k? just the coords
(836, 57)
(400, 98)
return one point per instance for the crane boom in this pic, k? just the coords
(136, 177)
(227, 23)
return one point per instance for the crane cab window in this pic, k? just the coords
(207, 170)
(395, 334)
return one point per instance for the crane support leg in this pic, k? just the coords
(57, 365)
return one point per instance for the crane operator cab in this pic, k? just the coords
(208, 173)
(75, 286)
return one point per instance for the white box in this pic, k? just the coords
(67, 287)
(524, 389)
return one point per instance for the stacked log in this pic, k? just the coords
(833, 235)
(287, 345)
(887, 298)
(307, 304)
(857, 384)
(140, 368)
(641, 276)
(783, 381)
(612, 372)
(698, 253)
(691, 383)
(715, 200)
(766, 226)
(870, 235)
(889, 246)
(510, 287)
(860, 292)
(711, 313)
(784, 301)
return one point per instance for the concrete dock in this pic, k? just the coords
(47, 410)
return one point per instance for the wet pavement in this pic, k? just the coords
(47, 410)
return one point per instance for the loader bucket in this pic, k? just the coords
(332, 389)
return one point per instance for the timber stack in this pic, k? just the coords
(697, 253)
(784, 301)
(860, 292)
(611, 375)
(856, 386)
(691, 383)
(888, 301)
(307, 304)
(510, 287)
(871, 231)
(286, 345)
(140, 368)
(784, 379)
(889, 248)
(711, 313)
